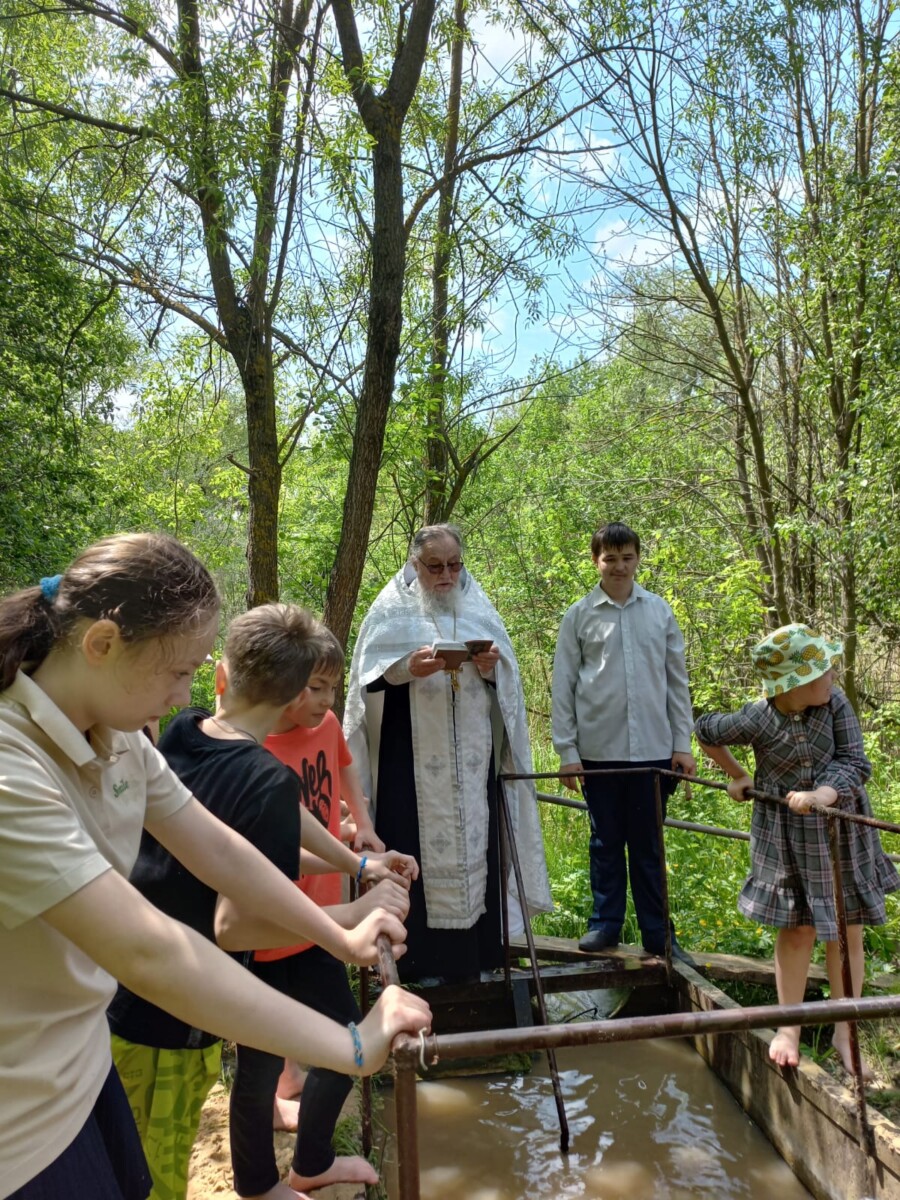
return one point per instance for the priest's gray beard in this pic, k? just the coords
(439, 603)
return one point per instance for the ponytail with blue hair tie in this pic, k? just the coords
(50, 587)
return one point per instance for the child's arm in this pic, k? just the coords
(182, 972)
(715, 732)
(315, 838)
(311, 864)
(230, 865)
(395, 901)
(238, 930)
(740, 780)
(379, 867)
(801, 802)
(348, 825)
(351, 792)
(849, 769)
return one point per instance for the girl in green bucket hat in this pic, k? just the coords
(808, 746)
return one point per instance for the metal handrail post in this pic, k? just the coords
(504, 897)
(663, 874)
(407, 1126)
(364, 1006)
(866, 1136)
(535, 971)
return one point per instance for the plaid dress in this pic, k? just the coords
(790, 880)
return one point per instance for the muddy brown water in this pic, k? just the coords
(647, 1121)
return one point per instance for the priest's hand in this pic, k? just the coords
(422, 663)
(487, 659)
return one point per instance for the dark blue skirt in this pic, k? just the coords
(105, 1161)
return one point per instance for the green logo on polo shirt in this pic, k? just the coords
(120, 787)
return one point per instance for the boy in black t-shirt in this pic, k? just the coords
(166, 1066)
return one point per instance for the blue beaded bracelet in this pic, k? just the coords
(361, 868)
(357, 1044)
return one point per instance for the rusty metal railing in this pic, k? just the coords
(740, 835)
(449, 1046)
(408, 1053)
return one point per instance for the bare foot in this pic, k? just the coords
(342, 1170)
(291, 1080)
(785, 1048)
(286, 1115)
(280, 1191)
(841, 1043)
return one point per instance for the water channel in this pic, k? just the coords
(648, 1121)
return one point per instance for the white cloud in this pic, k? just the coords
(621, 244)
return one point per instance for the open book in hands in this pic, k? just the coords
(455, 654)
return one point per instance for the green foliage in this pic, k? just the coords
(566, 832)
(63, 354)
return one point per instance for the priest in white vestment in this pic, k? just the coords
(429, 743)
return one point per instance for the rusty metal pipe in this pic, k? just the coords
(867, 1138)
(717, 784)
(690, 826)
(404, 1068)
(387, 967)
(513, 852)
(670, 822)
(504, 897)
(366, 1086)
(663, 874)
(631, 1029)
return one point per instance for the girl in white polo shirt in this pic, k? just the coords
(86, 660)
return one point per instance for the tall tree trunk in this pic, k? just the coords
(436, 456)
(760, 545)
(264, 474)
(382, 350)
(383, 116)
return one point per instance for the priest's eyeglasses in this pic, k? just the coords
(438, 568)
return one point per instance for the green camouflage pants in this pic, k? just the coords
(166, 1090)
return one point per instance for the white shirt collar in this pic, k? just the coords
(602, 597)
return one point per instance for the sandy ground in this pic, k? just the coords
(211, 1161)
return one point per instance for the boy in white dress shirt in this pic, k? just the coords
(621, 699)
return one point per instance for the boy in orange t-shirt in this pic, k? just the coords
(310, 741)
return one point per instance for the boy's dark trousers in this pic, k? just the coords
(623, 815)
(316, 978)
